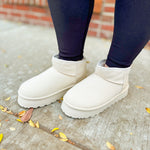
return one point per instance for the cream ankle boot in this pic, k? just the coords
(51, 84)
(96, 92)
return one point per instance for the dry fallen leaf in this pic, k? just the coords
(1, 137)
(54, 129)
(60, 100)
(56, 135)
(148, 110)
(9, 112)
(63, 137)
(26, 117)
(31, 123)
(69, 141)
(19, 56)
(19, 120)
(110, 146)
(60, 117)
(6, 66)
(20, 114)
(139, 87)
(1, 107)
(37, 125)
(7, 99)
(12, 128)
(64, 140)
(4, 109)
(87, 62)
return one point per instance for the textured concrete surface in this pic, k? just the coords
(25, 51)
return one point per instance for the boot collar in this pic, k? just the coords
(112, 74)
(67, 67)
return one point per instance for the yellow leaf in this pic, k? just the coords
(139, 87)
(110, 146)
(1, 107)
(37, 125)
(21, 113)
(62, 135)
(7, 99)
(5, 65)
(19, 56)
(19, 120)
(148, 110)
(60, 117)
(31, 123)
(64, 140)
(61, 98)
(54, 129)
(4, 109)
(87, 62)
(9, 112)
(1, 137)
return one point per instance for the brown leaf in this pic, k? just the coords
(26, 117)
(60, 100)
(60, 117)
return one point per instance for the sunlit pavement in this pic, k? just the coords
(25, 51)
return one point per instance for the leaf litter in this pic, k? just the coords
(110, 146)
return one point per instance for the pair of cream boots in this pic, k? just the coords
(83, 96)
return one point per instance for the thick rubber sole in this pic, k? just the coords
(41, 102)
(28, 103)
(81, 114)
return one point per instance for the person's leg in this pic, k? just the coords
(71, 20)
(108, 85)
(131, 32)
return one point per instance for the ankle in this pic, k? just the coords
(106, 65)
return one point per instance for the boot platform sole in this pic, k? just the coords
(80, 114)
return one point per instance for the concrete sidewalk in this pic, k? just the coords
(26, 51)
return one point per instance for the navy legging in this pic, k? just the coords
(131, 29)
